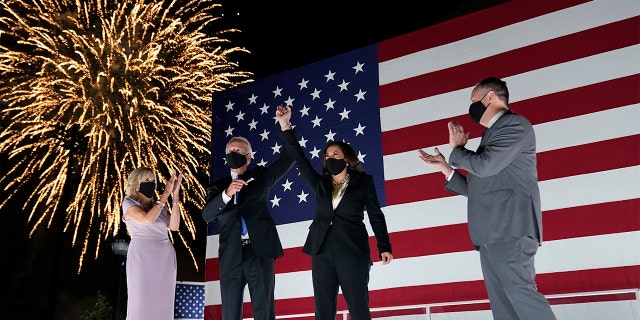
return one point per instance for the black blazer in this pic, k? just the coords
(252, 205)
(347, 220)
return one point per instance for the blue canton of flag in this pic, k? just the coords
(189, 303)
(334, 99)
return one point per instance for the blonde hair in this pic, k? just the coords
(133, 182)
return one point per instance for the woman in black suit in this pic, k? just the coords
(338, 242)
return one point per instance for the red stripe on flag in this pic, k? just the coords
(553, 301)
(588, 158)
(398, 312)
(594, 298)
(567, 48)
(551, 165)
(212, 312)
(596, 97)
(468, 26)
(391, 297)
(622, 216)
(461, 308)
(406, 246)
(585, 221)
(565, 104)
(212, 270)
(551, 283)
(416, 188)
(293, 260)
(616, 278)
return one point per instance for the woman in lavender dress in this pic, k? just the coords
(151, 259)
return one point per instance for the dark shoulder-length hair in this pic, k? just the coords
(350, 156)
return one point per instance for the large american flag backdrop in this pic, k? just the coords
(572, 67)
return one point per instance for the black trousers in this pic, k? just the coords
(259, 274)
(331, 271)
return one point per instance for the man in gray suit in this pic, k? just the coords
(503, 200)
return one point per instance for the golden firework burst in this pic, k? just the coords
(92, 89)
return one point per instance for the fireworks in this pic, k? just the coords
(92, 89)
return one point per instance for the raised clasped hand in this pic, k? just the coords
(457, 136)
(175, 191)
(283, 114)
(172, 186)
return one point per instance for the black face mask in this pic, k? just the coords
(235, 160)
(335, 166)
(476, 110)
(148, 189)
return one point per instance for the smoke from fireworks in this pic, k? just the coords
(92, 89)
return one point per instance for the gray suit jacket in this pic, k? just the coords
(501, 184)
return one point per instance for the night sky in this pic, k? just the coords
(283, 35)
(280, 36)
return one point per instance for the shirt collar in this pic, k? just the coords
(235, 175)
(496, 117)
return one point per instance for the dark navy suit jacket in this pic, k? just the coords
(252, 205)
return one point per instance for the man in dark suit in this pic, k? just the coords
(504, 214)
(246, 256)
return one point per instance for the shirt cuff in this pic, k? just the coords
(225, 197)
(450, 174)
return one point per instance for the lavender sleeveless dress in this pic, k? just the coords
(151, 268)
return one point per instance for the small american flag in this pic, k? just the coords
(189, 302)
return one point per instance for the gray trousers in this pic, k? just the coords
(509, 276)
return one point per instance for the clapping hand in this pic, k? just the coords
(177, 180)
(436, 161)
(457, 136)
(173, 186)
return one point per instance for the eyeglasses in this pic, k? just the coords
(483, 96)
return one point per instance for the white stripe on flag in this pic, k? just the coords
(620, 122)
(582, 253)
(580, 190)
(574, 74)
(549, 26)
